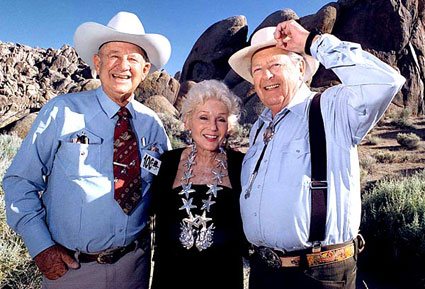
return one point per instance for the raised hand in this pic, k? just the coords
(291, 36)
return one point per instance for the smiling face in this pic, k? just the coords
(276, 77)
(121, 67)
(209, 124)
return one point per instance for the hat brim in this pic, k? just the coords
(90, 36)
(240, 61)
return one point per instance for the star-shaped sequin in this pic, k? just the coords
(191, 221)
(202, 220)
(187, 176)
(190, 161)
(218, 176)
(221, 163)
(213, 189)
(207, 204)
(187, 205)
(187, 189)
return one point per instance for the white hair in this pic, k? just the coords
(211, 89)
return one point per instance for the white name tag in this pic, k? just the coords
(151, 164)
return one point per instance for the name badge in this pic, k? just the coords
(151, 164)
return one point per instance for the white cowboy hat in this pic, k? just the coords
(125, 27)
(241, 60)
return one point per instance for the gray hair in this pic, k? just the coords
(211, 89)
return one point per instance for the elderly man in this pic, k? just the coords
(78, 189)
(302, 221)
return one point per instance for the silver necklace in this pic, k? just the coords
(195, 230)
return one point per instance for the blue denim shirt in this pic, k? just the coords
(277, 213)
(77, 207)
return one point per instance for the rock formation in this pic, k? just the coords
(392, 30)
(208, 57)
(31, 77)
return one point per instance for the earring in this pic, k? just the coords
(187, 136)
(225, 142)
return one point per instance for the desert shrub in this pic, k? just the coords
(408, 140)
(17, 270)
(372, 140)
(363, 175)
(367, 162)
(402, 120)
(385, 157)
(406, 158)
(393, 223)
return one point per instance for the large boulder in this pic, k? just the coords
(209, 56)
(158, 83)
(275, 18)
(396, 37)
(160, 104)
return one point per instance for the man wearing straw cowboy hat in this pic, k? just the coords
(91, 155)
(300, 203)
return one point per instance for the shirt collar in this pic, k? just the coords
(298, 105)
(110, 107)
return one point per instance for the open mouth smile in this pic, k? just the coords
(210, 137)
(270, 87)
(121, 76)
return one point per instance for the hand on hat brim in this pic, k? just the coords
(291, 36)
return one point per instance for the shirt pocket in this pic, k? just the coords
(78, 159)
(147, 149)
(294, 162)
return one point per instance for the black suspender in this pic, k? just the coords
(319, 185)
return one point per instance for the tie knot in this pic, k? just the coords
(124, 112)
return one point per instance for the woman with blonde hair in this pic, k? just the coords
(195, 197)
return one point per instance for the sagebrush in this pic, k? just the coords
(17, 270)
(393, 222)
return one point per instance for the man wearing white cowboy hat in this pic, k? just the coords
(91, 155)
(303, 221)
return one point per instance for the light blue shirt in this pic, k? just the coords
(277, 213)
(77, 207)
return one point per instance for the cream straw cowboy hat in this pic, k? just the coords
(241, 60)
(125, 27)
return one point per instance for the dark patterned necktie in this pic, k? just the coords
(127, 180)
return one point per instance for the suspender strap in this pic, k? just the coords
(319, 184)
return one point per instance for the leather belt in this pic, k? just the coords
(110, 256)
(328, 255)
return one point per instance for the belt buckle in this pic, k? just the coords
(106, 258)
(270, 257)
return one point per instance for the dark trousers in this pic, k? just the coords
(337, 275)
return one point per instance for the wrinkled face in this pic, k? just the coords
(209, 124)
(276, 77)
(121, 67)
